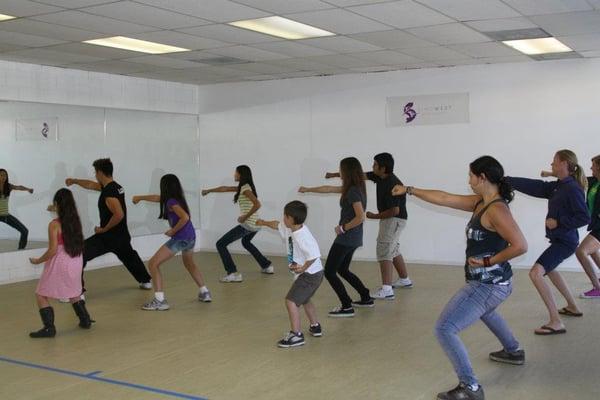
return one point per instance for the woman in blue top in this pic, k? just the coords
(173, 208)
(493, 238)
(567, 211)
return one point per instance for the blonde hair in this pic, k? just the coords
(596, 160)
(575, 169)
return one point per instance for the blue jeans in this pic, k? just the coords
(237, 233)
(473, 302)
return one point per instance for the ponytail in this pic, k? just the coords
(506, 190)
(575, 169)
(580, 177)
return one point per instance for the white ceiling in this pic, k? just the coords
(372, 35)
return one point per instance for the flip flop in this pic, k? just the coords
(550, 331)
(569, 313)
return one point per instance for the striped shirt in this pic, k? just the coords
(3, 205)
(245, 206)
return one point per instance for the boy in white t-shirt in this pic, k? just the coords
(304, 261)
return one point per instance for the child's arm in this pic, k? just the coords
(53, 228)
(301, 268)
(219, 189)
(183, 219)
(154, 198)
(84, 183)
(271, 224)
(320, 189)
(22, 188)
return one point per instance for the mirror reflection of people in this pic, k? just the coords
(63, 260)
(5, 189)
(112, 236)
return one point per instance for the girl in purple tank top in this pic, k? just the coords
(175, 210)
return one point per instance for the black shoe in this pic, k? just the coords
(364, 303)
(291, 340)
(503, 356)
(48, 331)
(315, 330)
(462, 392)
(85, 321)
(340, 312)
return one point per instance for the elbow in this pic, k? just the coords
(257, 205)
(521, 248)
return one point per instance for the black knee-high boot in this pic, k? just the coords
(85, 321)
(48, 331)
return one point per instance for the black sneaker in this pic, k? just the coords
(503, 356)
(462, 392)
(291, 340)
(364, 303)
(340, 312)
(315, 330)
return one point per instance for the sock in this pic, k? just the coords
(405, 280)
(160, 296)
(313, 325)
(474, 387)
(203, 289)
(387, 288)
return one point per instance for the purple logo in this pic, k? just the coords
(409, 112)
(45, 129)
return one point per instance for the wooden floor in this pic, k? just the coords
(226, 350)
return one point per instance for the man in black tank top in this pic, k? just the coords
(112, 236)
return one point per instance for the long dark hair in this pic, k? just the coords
(494, 173)
(170, 188)
(352, 175)
(245, 179)
(6, 188)
(69, 222)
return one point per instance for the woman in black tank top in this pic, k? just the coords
(493, 238)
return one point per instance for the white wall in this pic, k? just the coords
(292, 131)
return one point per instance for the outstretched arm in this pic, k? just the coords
(270, 224)
(154, 198)
(320, 189)
(440, 198)
(22, 188)
(219, 189)
(84, 183)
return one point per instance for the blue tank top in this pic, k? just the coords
(482, 242)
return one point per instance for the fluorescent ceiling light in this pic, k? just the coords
(6, 17)
(125, 43)
(281, 27)
(538, 46)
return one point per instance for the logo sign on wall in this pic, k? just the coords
(37, 129)
(437, 109)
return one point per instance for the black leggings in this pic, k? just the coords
(13, 222)
(338, 262)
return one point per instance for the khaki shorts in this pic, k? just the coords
(388, 239)
(304, 287)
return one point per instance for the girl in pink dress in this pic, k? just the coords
(63, 260)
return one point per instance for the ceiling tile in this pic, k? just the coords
(25, 8)
(341, 44)
(286, 7)
(449, 34)
(163, 62)
(9, 47)
(338, 21)
(394, 39)
(247, 53)
(467, 10)
(74, 3)
(386, 57)
(492, 25)
(569, 23)
(481, 50)
(292, 49)
(178, 39)
(402, 14)
(111, 67)
(301, 64)
(94, 50)
(213, 10)
(541, 7)
(579, 43)
(77, 19)
(437, 53)
(262, 68)
(231, 34)
(591, 54)
(343, 61)
(145, 15)
(22, 39)
(38, 28)
(349, 3)
(49, 57)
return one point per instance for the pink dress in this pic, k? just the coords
(61, 278)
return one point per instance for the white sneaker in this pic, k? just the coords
(64, 300)
(233, 277)
(269, 270)
(156, 305)
(146, 286)
(402, 284)
(204, 297)
(382, 294)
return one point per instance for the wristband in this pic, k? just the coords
(409, 190)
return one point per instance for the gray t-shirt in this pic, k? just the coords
(354, 236)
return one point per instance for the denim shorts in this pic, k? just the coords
(177, 245)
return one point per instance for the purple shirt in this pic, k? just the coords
(187, 232)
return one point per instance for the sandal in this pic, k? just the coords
(547, 330)
(569, 313)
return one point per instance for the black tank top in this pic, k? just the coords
(482, 242)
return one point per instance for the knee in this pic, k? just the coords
(581, 253)
(536, 274)
(25, 232)
(246, 241)
(443, 329)
(221, 244)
